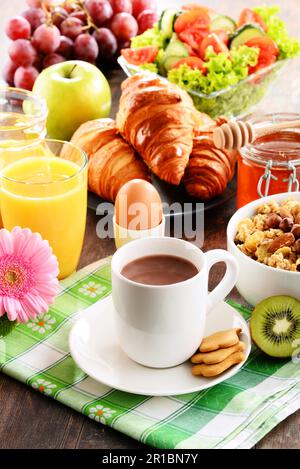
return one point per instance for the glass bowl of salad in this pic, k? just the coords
(225, 66)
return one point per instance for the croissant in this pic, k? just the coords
(206, 124)
(112, 162)
(209, 169)
(158, 119)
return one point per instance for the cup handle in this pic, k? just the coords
(229, 279)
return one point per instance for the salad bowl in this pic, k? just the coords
(233, 101)
(225, 64)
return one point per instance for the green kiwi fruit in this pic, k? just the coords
(275, 325)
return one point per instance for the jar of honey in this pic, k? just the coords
(271, 164)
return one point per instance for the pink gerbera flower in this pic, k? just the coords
(28, 274)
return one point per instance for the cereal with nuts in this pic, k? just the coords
(272, 235)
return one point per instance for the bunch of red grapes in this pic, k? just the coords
(91, 30)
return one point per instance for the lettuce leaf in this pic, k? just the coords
(151, 37)
(288, 47)
(150, 67)
(222, 70)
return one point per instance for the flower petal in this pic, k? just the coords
(6, 243)
(2, 310)
(18, 241)
(11, 307)
(31, 244)
(45, 290)
(30, 307)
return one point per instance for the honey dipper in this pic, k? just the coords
(236, 134)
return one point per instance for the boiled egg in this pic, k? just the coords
(138, 206)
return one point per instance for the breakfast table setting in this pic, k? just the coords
(96, 351)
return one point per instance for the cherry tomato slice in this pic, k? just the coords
(192, 52)
(222, 35)
(214, 40)
(265, 44)
(193, 37)
(140, 56)
(192, 62)
(192, 19)
(268, 52)
(249, 16)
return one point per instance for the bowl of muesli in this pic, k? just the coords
(264, 237)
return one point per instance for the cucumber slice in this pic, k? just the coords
(170, 62)
(176, 48)
(175, 51)
(167, 20)
(225, 23)
(244, 33)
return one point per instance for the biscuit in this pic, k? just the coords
(222, 339)
(218, 368)
(211, 358)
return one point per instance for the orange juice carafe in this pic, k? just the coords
(22, 125)
(271, 164)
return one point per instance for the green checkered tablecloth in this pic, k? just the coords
(234, 414)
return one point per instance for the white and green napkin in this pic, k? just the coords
(234, 414)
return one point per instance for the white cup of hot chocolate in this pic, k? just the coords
(161, 298)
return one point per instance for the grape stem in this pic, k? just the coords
(47, 13)
(79, 3)
(90, 23)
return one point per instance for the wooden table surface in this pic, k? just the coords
(28, 419)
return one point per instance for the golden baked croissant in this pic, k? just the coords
(158, 119)
(209, 169)
(206, 124)
(112, 162)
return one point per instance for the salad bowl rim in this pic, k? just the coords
(126, 65)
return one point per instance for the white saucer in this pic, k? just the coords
(94, 347)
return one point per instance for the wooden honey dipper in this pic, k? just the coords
(236, 134)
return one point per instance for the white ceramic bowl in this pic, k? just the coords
(257, 281)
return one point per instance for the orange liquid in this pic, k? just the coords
(49, 197)
(280, 147)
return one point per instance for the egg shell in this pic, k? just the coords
(138, 206)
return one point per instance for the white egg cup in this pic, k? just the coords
(124, 235)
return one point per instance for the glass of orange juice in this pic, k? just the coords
(47, 192)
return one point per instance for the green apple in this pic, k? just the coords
(75, 92)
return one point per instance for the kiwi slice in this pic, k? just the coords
(275, 325)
